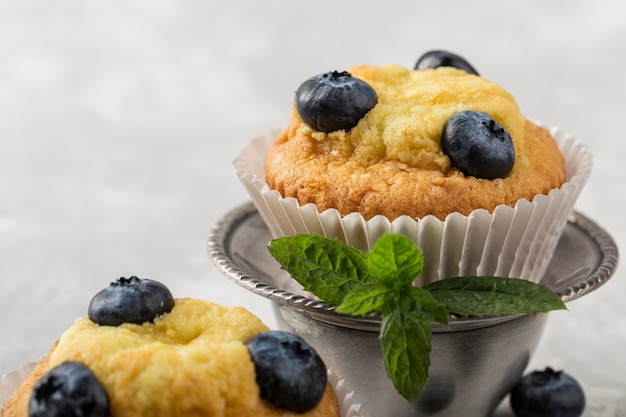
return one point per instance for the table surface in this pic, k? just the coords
(120, 121)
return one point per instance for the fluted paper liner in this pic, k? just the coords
(511, 242)
(11, 380)
(348, 404)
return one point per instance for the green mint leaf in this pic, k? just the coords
(406, 345)
(395, 259)
(406, 338)
(327, 268)
(493, 296)
(364, 298)
(417, 303)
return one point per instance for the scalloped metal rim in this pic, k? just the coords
(217, 249)
(610, 257)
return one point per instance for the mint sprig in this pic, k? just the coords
(327, 268)
(382, 281)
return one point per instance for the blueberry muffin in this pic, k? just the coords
(141, 352)
(386, 140)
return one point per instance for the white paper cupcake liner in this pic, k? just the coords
(512, 241)
(348, 405)
(11, 380)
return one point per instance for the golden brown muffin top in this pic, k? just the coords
(413, 106)
(392, 164)
(191, 361)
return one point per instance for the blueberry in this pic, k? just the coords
(289, 372)
(334, 101)
(68, 390)
(130, 300)
(477, 145)
(547, 393)
(438, 58)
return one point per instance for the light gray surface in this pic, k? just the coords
(119, 121)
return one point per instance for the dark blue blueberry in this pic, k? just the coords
(547, 393)
(68, 390)
(334, 101)
(477, 145)
(438, 58)
(289, 372)
(130, 300)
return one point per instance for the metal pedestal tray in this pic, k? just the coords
(474, 362)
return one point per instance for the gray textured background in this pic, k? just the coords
(119, 121)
